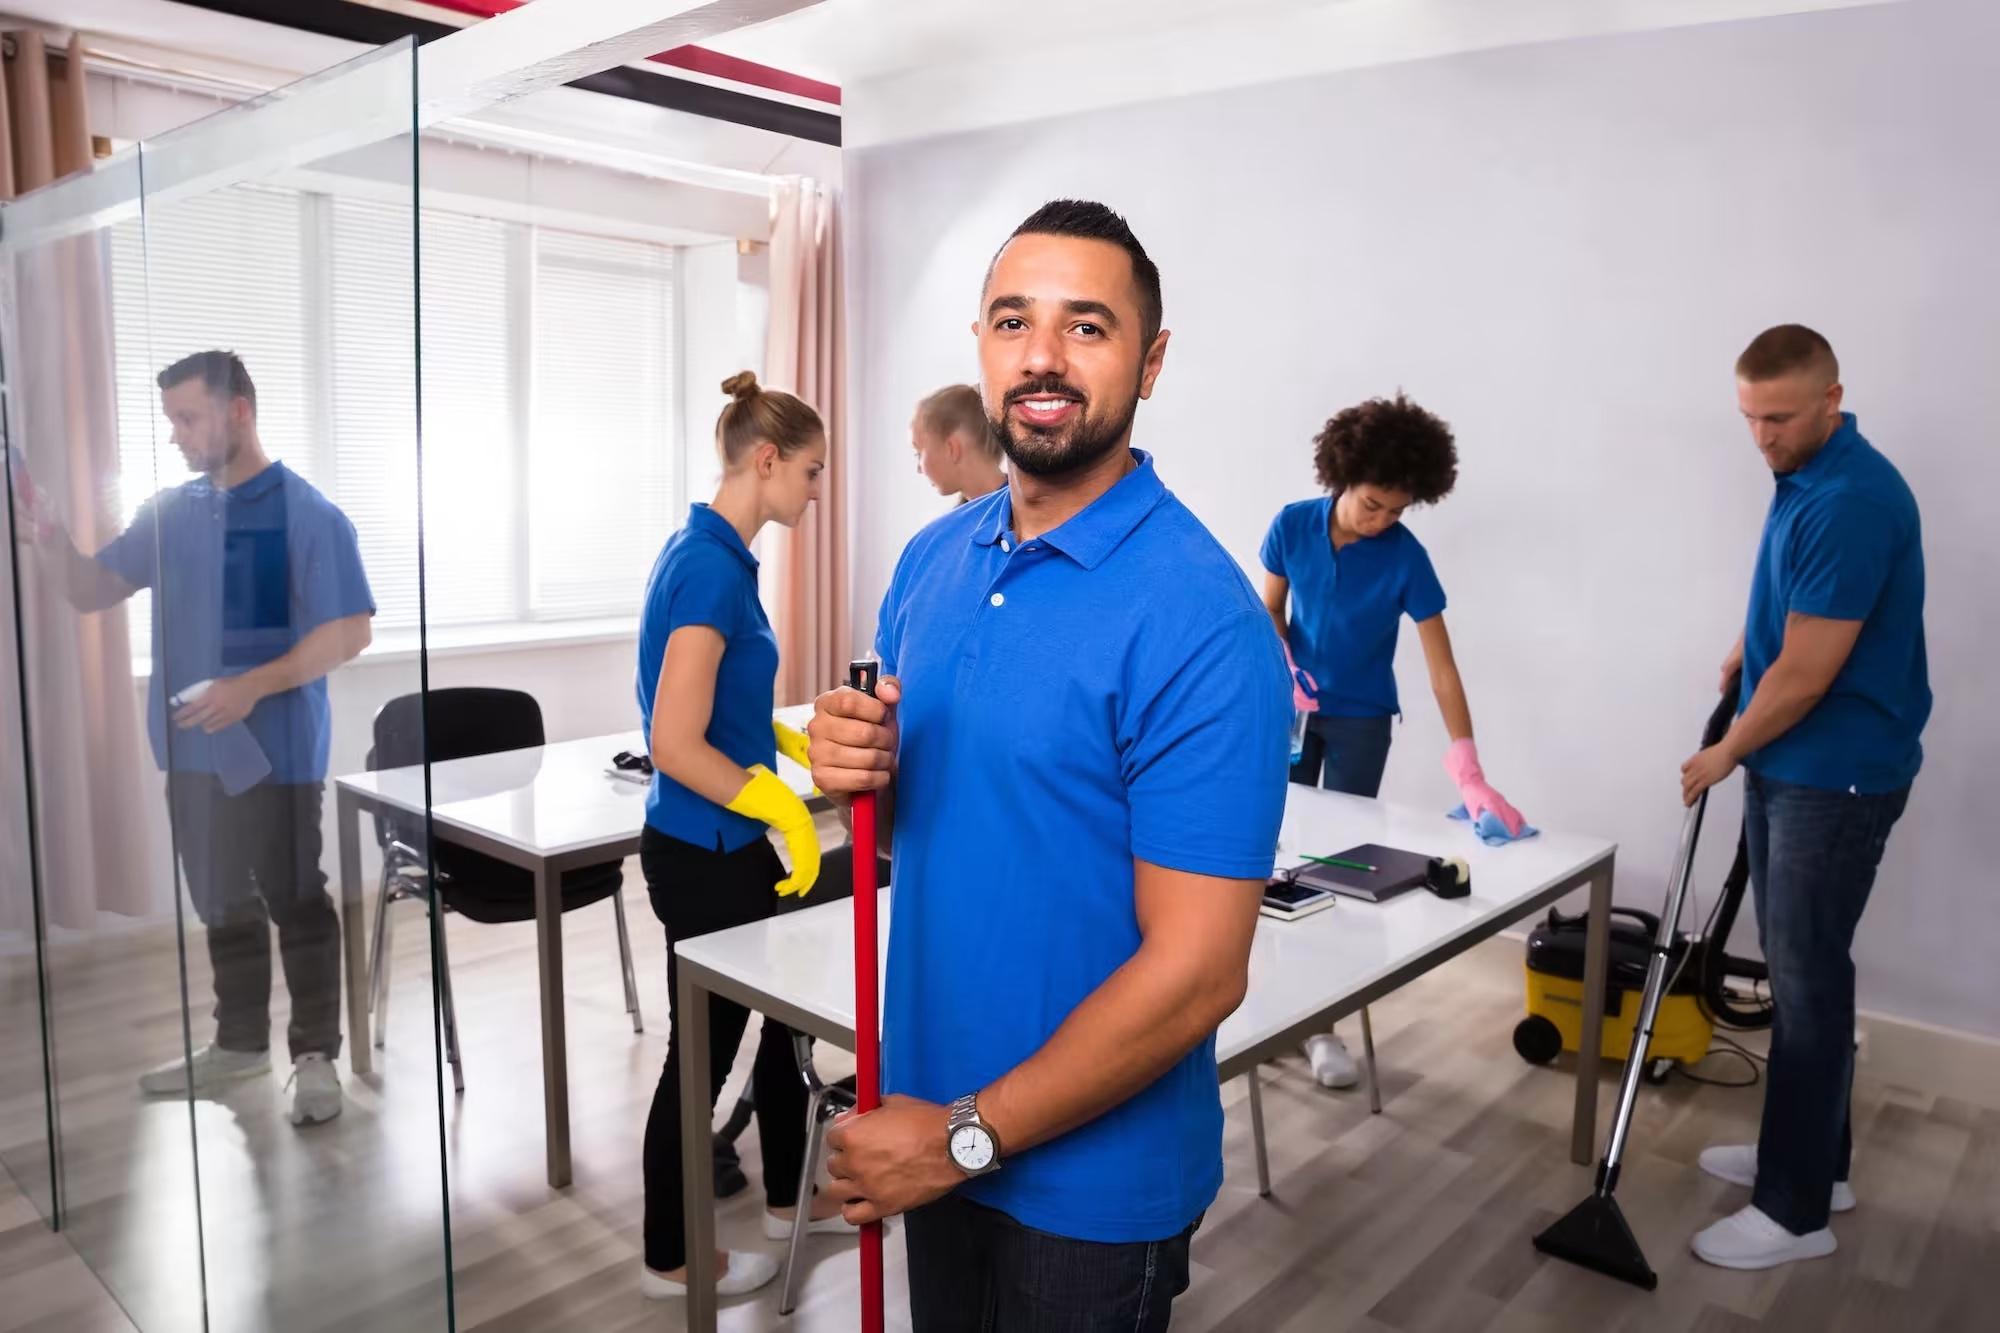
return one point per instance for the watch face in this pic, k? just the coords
(971, 1148)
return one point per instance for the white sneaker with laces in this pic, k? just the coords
(316, 1089)
(780, 1228)
(212, 1067)
(1331, 1064)
(743, 1271)
(1750, 1239)
(1737, 1164)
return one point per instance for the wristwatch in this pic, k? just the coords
(974, 1147)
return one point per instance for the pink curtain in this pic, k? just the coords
(805, 353)
(94, 780)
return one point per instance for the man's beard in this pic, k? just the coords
(210, 463)
(1071, 448)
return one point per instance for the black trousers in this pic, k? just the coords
(696, 890)
(252, 862)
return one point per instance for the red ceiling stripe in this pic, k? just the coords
(695, 59)
(701, 60)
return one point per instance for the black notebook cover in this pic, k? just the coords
(1395, 872)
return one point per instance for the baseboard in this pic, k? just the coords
(1928, 1058)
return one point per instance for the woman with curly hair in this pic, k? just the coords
(1350, 571)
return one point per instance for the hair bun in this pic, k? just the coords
(741, 385)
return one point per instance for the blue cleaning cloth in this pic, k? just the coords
(1491, 831)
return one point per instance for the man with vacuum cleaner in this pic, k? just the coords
(1834, 697)
(1083, 724)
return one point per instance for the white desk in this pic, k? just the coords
(547, 809)
(799, 968)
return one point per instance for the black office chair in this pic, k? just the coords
(462, 723)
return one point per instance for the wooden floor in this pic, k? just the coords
(1415, 1220)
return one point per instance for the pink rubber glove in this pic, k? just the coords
(1461, 761)
(1305, 690)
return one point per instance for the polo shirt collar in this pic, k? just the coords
(255, 488)
(1828, 460)
(1092, 535)
(704, 520)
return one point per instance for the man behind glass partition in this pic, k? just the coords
(258, 593)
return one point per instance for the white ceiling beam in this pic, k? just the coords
(378, 97)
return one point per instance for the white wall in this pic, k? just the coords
(1560, 248)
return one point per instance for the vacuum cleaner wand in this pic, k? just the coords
(867, 1025)
(1594, 1234)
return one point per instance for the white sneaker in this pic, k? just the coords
(1332, 1065)
(213, 1066)
(1737, 1164)
(1750, 1239)
(743, 1271)
(780, 1228)
(317, 1089)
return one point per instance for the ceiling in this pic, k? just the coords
(847, 41)
(250, 54)
(852, 41)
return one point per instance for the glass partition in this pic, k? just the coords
(221, 593)
(331, 505)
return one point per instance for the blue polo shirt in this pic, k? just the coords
(1348, 605)
(239, 576)
(1843, 541)
(1108, 691)
(705, 575)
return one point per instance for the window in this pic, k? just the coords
(550, 373)
(604, 380)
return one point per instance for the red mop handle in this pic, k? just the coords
(867, 1020)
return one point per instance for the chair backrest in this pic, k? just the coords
(463, 721)
(454, 723)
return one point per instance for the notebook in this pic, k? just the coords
(1395, 872)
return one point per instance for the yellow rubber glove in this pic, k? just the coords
(793, 744)
(766, 798)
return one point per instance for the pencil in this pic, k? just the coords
(1363, 867)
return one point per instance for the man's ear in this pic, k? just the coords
(1156, 359)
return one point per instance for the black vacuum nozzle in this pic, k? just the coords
(1594, 1235)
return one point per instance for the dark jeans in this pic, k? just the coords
(694, 891)
(252, 862)
(1345, 754)
(976, 1270)
(1813, 855)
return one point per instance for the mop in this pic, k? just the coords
(1595, 1234)
(867, 1025)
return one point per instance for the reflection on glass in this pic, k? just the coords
(219, 457)
(259, 595)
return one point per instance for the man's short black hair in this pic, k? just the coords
(1095, 222)
(221, 373)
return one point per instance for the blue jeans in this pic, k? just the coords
(974, 1269)
(1813, 855)
(1344, 754)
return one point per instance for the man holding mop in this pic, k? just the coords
(1079, 741)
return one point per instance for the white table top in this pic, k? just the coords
(546, 800)
(1297, 968)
